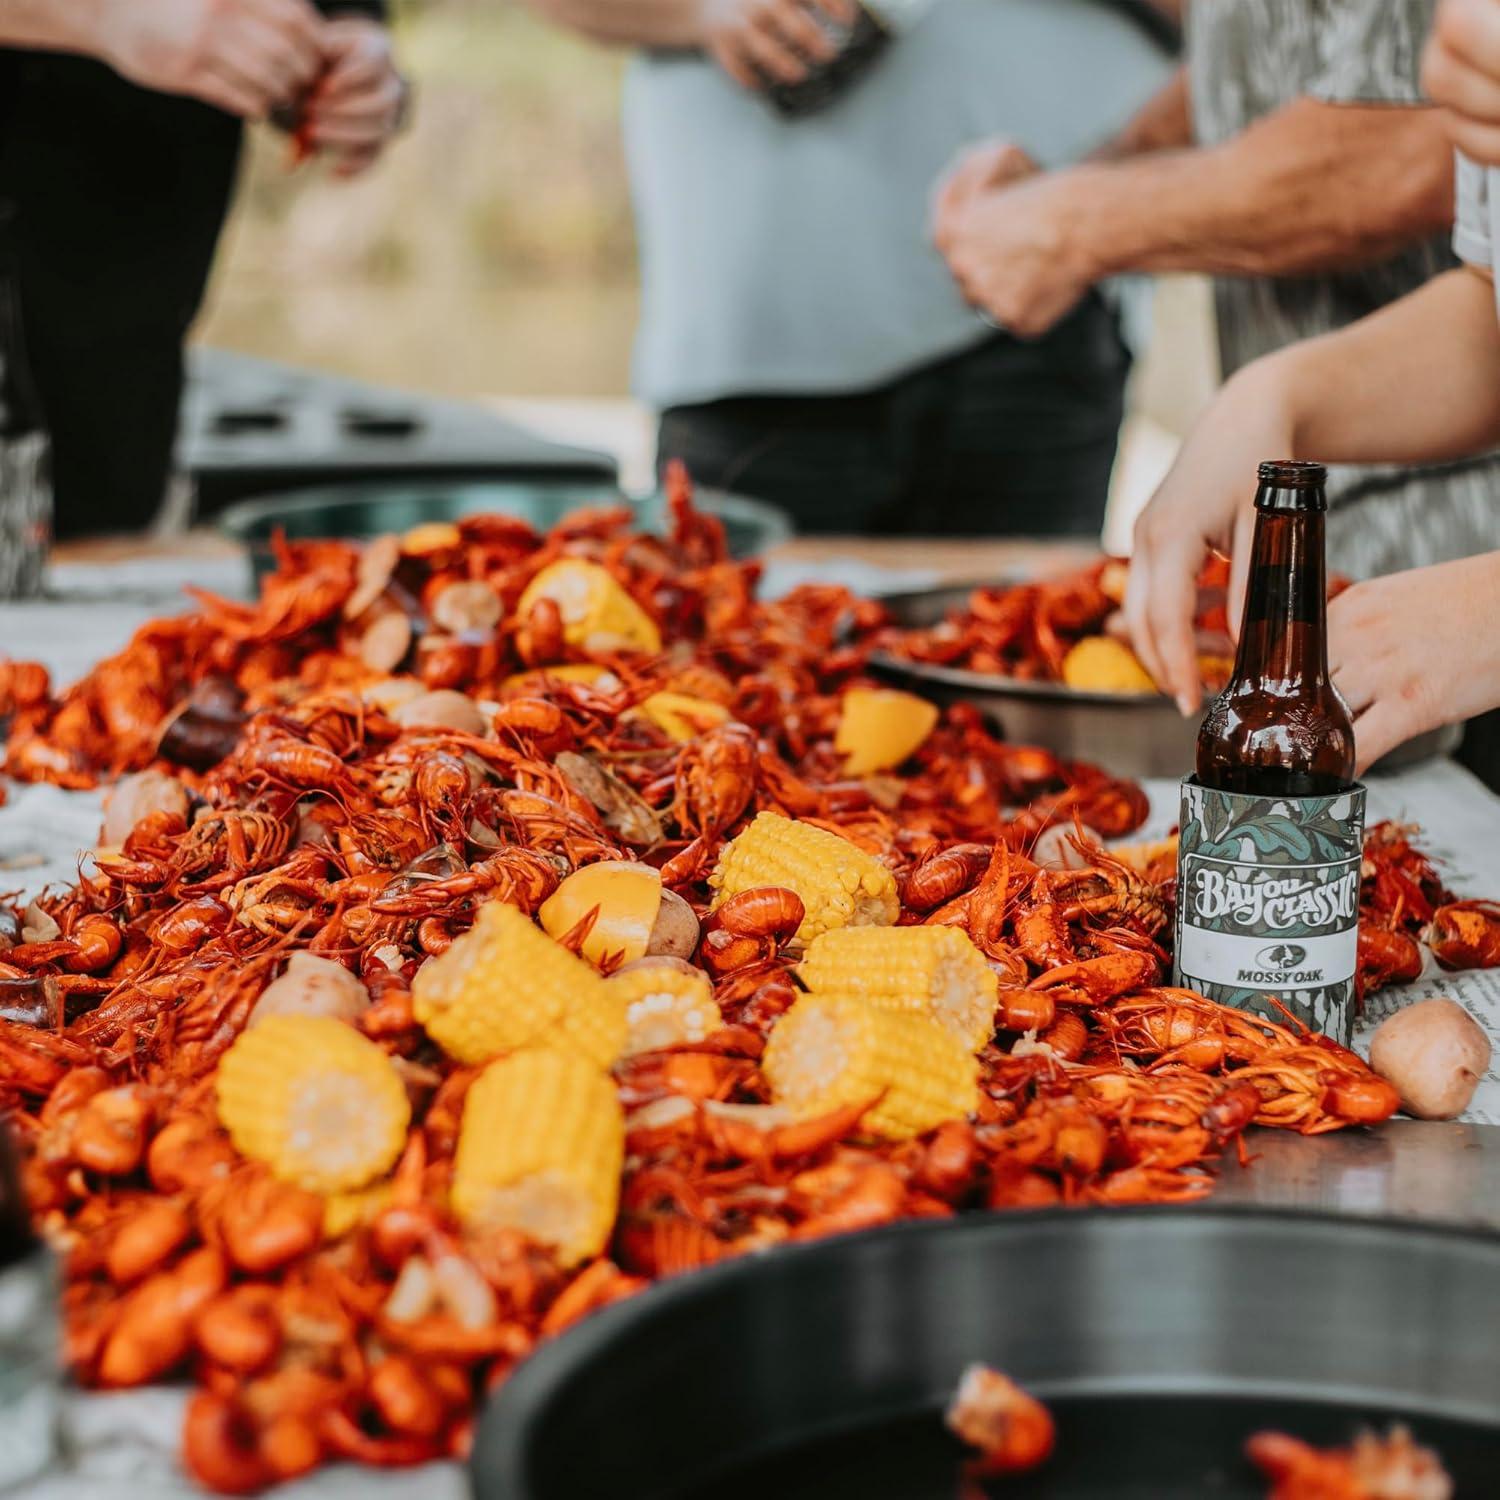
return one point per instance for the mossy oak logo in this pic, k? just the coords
(1268, 902)
(1282, 956)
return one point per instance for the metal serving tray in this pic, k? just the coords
(1161, 1337)
(1133, 734)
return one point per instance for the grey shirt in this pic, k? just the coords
(781, 257)
(1247, 59)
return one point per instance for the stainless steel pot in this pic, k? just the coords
(1161, 1338)
(1137, 735)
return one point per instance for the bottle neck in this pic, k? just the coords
(1284, 637)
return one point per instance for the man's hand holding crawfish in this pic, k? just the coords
(358, 103)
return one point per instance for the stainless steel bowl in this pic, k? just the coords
(358, 509)
(1134, 734)
(1162, 1337)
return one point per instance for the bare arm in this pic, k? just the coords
(244, 56)
(1417, 382)
(51, 25)
(1163, 123)
(756, 42)
(639, 23)
(1312, 187)
(1352, 396)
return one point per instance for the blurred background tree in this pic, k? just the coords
(490, 251)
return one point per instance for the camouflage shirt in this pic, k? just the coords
(1248, 58)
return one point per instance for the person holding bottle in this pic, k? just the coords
(120, 132)
(1417, 383)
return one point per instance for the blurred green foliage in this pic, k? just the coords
(490, 252)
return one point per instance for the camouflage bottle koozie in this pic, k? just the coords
(1268, 902)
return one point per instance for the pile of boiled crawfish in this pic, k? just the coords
(1065, 630)
(283, 794)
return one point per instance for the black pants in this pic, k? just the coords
(1009, 437)
(117, 197)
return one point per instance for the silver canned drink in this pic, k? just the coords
(1268, 903)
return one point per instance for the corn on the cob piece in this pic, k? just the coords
(831, 1050)
(840, 885)
(540, 1149)
(343, 1213)
(667, 1003)
(931, 971)
(881, 727)
(321, 1105)
(597, 612)
(505, 984)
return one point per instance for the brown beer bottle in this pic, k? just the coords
(1279, 728)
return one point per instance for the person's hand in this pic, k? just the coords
(1207, 501)
(1409, 651)
(1018, 252)
(1461, 71)
(762, 42)
(243, 56)
(990, 164)
(356, 105)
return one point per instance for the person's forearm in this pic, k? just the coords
(49, 25)
(635, 23)
(1313, 187)
(1417, 382)
(1163, 123)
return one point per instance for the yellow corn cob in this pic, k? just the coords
(505, 984)
(343, 1213)
(321, 1105)
(831, 1050)
(667, 1002)
(840, 885)
(541, 1149)
(929, 971)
